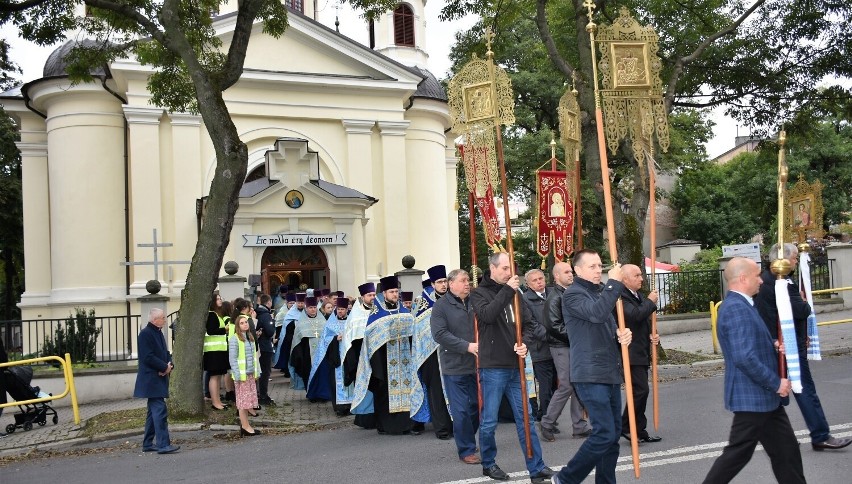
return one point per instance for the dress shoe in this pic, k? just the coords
(546, 434)
(266, 401)
(418, 429)
(832, 443)
(543, 476)
(214, 407)
(444, 436)
(583, 434)
(555, 429)
(471, 459)
(170, 449)
(649, 438)
(149, 449)
(246, 433)
(496, 473)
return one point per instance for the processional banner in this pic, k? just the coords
(476, 168)
(555, 215)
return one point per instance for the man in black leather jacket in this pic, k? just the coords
(557, 339)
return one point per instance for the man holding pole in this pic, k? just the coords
(596, 369)
(499, 371)
(637, 316)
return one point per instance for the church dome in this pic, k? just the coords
(430, 88)
(57, 65)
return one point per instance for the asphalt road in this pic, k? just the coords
(694, 427)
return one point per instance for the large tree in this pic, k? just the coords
(762, 59)
(11, 206)
(192, 69)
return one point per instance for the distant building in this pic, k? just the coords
(742, 144)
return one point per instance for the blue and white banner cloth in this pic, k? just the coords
(422, 347)
(788, 332)
(805, 282)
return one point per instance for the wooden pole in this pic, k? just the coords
(652, 208)
(578, 205)
(498, 136)
(471, 203)
(517, 301)
(613, 251)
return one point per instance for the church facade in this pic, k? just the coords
(351, 167)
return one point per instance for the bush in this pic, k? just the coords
(78, 338)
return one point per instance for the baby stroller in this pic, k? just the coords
(17, 379)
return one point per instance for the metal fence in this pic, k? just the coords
(93, 339)
(692, 291)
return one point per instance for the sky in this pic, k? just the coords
(440, 38)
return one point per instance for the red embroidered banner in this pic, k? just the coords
(555, 215)
(478, 182)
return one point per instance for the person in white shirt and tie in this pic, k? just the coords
(637, 316)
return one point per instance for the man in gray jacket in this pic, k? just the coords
(596, 372)
(545, 371)
(452, 328)
(557, 339)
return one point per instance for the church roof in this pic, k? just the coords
(254, 187)
(430, 88)
(57, 65)
(339, 191)
(13, 93)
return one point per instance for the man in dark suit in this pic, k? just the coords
(536, 341)
(807, 399)
(637, 316)
(152, 382)
(753, 388)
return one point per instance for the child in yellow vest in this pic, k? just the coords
(245, 368)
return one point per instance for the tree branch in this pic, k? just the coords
(233, 68)
(123, 9)
(7, 7)
(684, 61)
(547, 39)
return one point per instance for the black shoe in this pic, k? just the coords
(214, 407)
(626, 436)
(583, 435)
(246, 433)
(418, 428)
(444, 436)
(546, 434)
(832, 443)
(648, 438)
(495, 472)
(543, 476)
(266, 401)
(555, 429)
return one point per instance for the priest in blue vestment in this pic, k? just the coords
(353, 337)
(306, 335)
(428, 402)
(281, 360)
(386, 376)
(325, 382)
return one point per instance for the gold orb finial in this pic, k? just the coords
(804, 247)
(781, 267)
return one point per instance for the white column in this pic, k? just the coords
(360, 173)
(396, 233)
(146, 191)
(187, 188)
(36, 205)
(451, 167)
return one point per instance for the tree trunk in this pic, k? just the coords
(222, 204)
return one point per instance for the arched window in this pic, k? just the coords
(297, 5)
(403, 25)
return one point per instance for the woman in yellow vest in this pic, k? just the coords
(245, 368)
(216, 349)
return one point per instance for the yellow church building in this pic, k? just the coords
(351, 167)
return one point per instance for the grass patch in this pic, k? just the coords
(677, 357)
(116, 421)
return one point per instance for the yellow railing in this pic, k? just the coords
(69, 383)
(714, 313)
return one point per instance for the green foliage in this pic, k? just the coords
(11, 205)
(78, 338)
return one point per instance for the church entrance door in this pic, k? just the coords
(298, 267)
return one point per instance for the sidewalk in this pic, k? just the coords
(294, 409)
